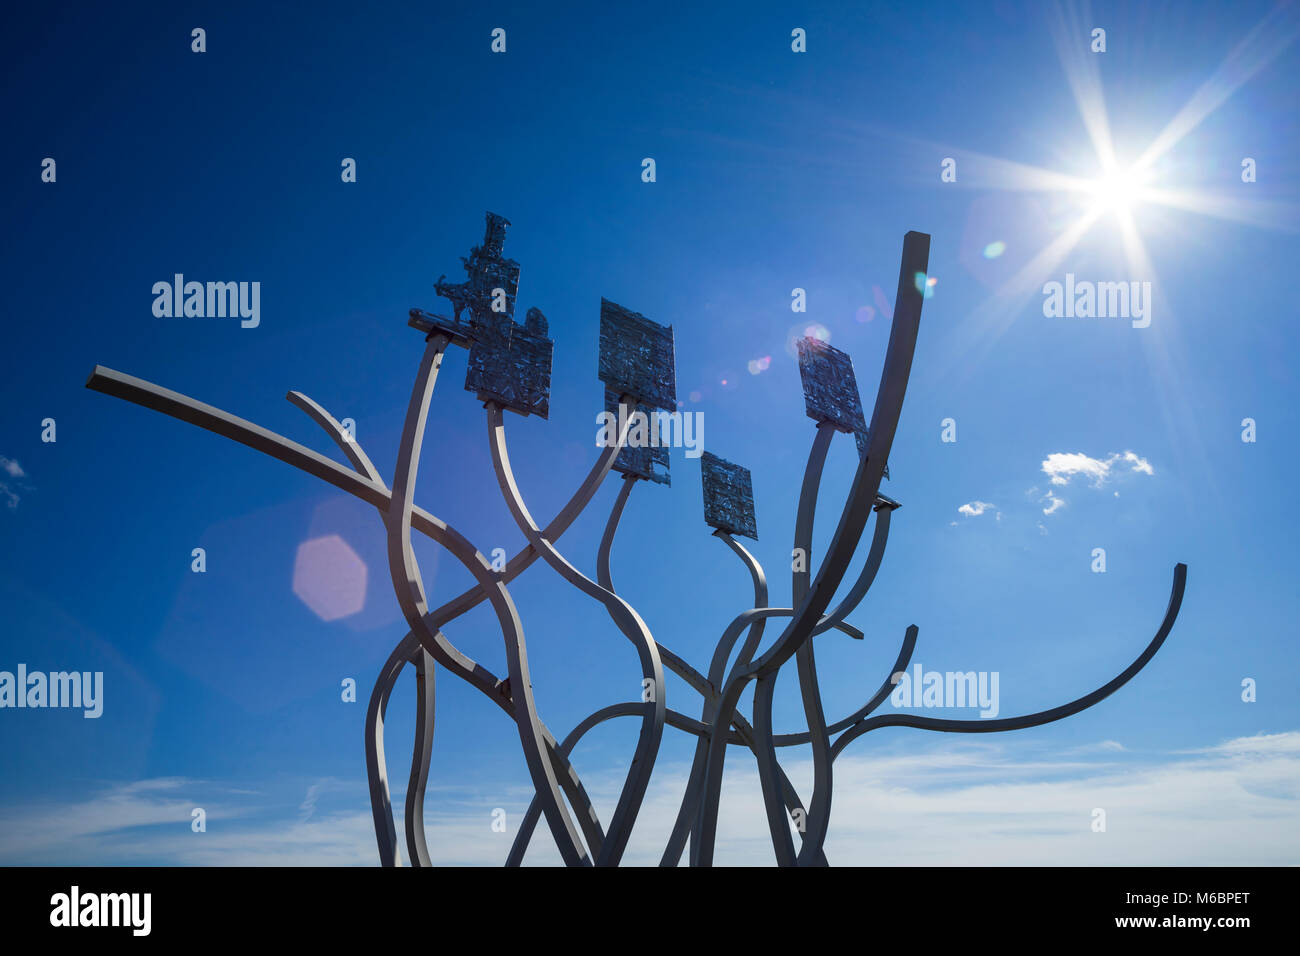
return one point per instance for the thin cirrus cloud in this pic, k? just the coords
(974, 509)
(10, 470)
(1005, 803)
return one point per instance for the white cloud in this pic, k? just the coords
(1054, 504)
(1101, 746)
(1139, 464)
(1060, 467)
(1011, 802)
(79, 831)
(10, 492)
(1286, 743)
(307, 808)
(975, 508)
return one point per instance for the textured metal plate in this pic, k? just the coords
(510, 364)
(636, 357)
(728, 496)
(488, 269)
(643, 460)
(830, 390)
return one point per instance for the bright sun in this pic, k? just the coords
(1117, 191)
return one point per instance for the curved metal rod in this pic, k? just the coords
(743, 732)
(674, 719)
(765, 687)
(411, 649)
(673, 853)
(586, 491)
(520, 562)
(1042, 716)
(422, 748)
(819, 809)
(760, 597)
(219, 422)
(471, 597)
(603, 577)
(778, 825)
(627, 621)
(886, 687)
(409, 589)
(421, 752)
(857, 508)
(868, 576)
(355, 453)
(381, 806)
(184, 408)
(414, 605)
(524, 835)
(687, 814)
(376, 768)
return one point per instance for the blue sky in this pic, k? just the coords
(775, 170)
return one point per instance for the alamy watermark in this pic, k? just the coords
(75, 908)
(659, 429)
(923, 688)
(1098, 300)
(210, 300)
(56, 689)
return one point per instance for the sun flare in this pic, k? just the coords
(1117, 191)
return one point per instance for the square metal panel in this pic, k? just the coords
(830, 390)
(643, 460)
(510, 364)
(636, 357)
(728, 496)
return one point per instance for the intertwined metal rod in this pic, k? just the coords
(559, 795)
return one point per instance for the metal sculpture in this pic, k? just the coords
(509, 369)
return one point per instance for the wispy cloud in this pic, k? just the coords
(1011, 803)
(12, 484)
(307, 808)
(94, 829)
(1101, 746)
(975, 508)
(1054, 504)
(1261, 744)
